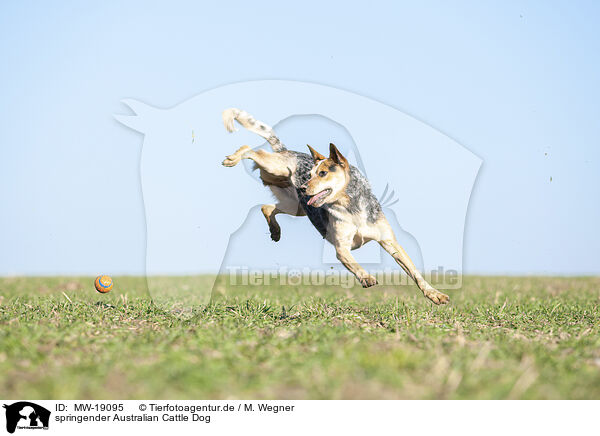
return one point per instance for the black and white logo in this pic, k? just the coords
(26, 415)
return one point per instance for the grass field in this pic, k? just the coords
(499, 338)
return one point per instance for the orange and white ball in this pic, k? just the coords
(103, 284)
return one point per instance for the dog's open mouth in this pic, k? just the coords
(317, 199)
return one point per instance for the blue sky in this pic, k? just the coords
(514, 82)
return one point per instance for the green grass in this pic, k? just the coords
(500, 337)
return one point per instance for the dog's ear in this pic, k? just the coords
(336, 156)
(315, 154)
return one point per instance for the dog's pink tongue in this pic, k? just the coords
(314, 198)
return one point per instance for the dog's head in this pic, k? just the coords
(329, 177)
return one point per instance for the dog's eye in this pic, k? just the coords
(322, 173)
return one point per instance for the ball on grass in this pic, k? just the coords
(103, 284)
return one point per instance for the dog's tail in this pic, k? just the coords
(248, 121)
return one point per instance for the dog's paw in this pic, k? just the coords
(231, 160)
(235, 158)
(368, 281)
(275, 232)
(436, 296)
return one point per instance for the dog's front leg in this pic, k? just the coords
(343, 254)
(401, 257)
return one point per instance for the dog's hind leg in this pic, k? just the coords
(286, 207)
(276, 164)
(235, 158)
(275, 171)
(401, 257)
(269, 211)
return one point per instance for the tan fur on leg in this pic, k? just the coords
(235, 158)
(397, 252)
(343, 254)
(269, 211)
(276, 164)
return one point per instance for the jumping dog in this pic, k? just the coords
(333, 194)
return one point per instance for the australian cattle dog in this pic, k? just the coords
(333, 194)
